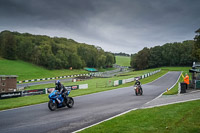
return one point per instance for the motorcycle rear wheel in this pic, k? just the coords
(52, 106)
(141, 92)
(70, 102)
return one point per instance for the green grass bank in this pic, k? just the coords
(123, 60)
(175, 118)
(28, 71)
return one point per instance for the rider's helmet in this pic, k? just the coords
(137, 79)
(57, 83)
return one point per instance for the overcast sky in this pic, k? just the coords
(115, 25)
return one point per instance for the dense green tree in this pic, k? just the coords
(8, 45)
(155, 59)
(133, 62)
(101, 61)
(142, 58)
(196, 48)
(75, 61)
(170, 54)
(109, 59)
(52, 53)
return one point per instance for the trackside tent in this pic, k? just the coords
(91, 69)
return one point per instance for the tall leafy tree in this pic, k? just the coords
(8, 45)
(155, 59)
(142, 60)
(196, 49)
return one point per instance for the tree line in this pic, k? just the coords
(52, 53)
(196, 49)
(170, 54)
(121, 54)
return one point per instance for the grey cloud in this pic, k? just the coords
(115, 25)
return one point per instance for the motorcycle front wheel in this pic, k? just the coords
(136, 93)
(70, 102)
(52, 106)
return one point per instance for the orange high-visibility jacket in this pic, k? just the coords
(186, 79)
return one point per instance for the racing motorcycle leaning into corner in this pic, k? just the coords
(59, 97)
(138, 87)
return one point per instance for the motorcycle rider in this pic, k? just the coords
(137, 82)
(61, 88)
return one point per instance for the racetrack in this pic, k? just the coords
(87, 110)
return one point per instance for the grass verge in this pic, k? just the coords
(123, 60)
(175, 118)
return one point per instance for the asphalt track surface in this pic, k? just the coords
(87, 110)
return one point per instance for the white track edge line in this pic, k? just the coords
(170, 103)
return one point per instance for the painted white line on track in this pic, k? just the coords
(182, 101)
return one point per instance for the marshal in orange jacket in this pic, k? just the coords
(186, 79)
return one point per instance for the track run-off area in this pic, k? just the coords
(87, 110)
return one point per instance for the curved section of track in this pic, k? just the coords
(87, 110)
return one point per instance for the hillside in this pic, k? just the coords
(123, 60)
(27, 71)
(52, 52)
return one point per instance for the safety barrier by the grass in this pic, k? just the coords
(38, 91)
(119, 82)
(53, 78)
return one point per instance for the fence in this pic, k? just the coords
(42, 79)
(123, 81)
(119, 82)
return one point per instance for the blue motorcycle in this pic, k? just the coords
(58, 101)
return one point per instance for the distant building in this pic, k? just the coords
(8, 83)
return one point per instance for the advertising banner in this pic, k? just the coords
(75, 87)
(49, 90)
(33, 92)
(10, 94)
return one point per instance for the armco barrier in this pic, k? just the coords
(119, 82)
(116, 82)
